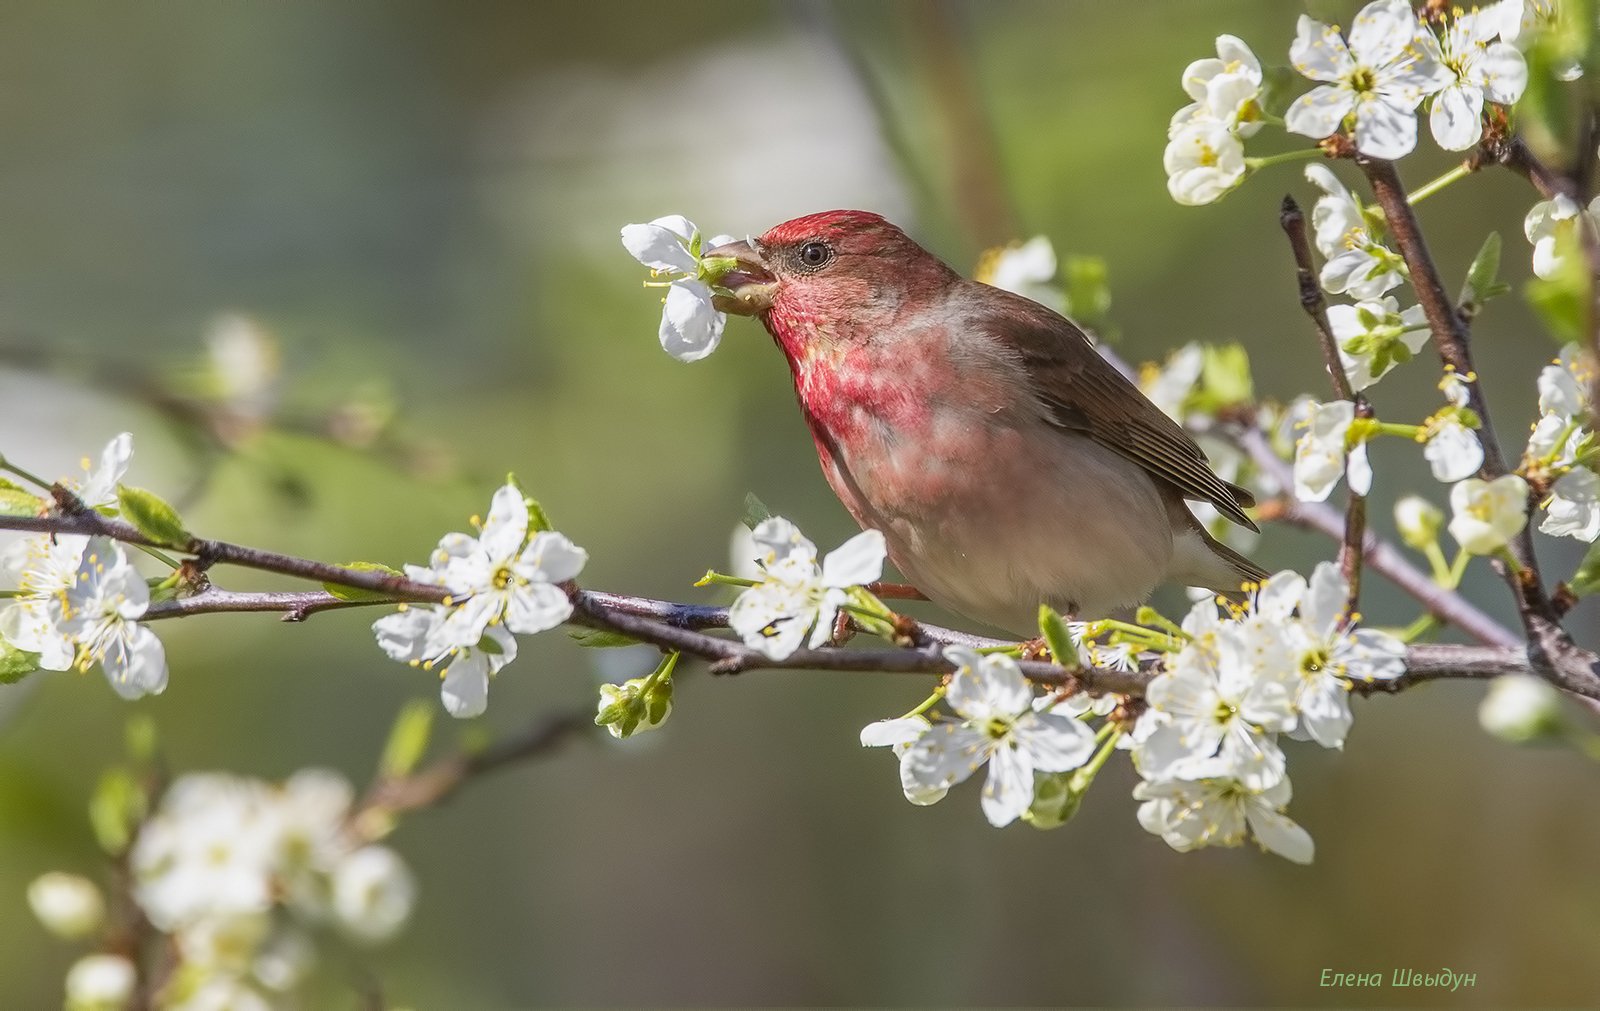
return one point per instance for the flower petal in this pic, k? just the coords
(855, 562)
(691, 326)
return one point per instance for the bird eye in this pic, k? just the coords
(815, 254)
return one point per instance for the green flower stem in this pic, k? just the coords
(1422, 626)
(1137, 633)
(1082, 779)
(34, 479)
(1458, 569)
(662, 672)
(1012, 650)
(1428, 189)
(1411, 432)
(1505, 555)
(721, 579)
(1305, 154)
(1561, 440)
(927, 703)
(1442, 571)
(9, 594)
(159, 555)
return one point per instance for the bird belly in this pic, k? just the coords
(991, 520)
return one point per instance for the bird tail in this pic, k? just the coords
(1239, 570)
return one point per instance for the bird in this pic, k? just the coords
(1006, 463)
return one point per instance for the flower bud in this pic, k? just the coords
(1521, 709)
(1419, 521)
(100, 983)
(1056, 798)
(373, 892)
(68, 905)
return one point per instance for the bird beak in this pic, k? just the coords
(747, 289)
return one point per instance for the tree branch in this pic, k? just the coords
(1551, 650)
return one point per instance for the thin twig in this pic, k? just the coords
(1293, 222)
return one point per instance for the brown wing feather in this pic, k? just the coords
(1085, 394)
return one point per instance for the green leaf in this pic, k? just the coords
(1088, 290)
(1482, 284)
(15, 500)
(600, 638)
(408, 739)
(1054, 629)
(1586, 580)
(356, 593)
(16, 664)
(153, 516)
(755, 510)
(116, 808)
(538, 519)
(1225, 377)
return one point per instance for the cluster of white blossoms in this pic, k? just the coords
(1562, 453)
(505, 580)
(1204, 158)
(691, 326)
(1372, 82)
(1552, 226)
(1207, 746)
(78, 600)
(239, 875)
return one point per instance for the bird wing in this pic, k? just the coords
(1085, 394)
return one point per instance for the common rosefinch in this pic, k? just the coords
(1006, 463)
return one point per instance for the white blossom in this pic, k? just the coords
(98, 489)
(1356, 264)
(997, 725)
(1323, 655)
(1522, 22)
(373, 893)
(1550, 223)
(1221, 812)
(1520, 708)
(1222, 712)
(208, 852)
(68, 905)
(1168, 386)
(100, 613)
(1320, 457)
(101, 982)
(1226, 90)
(504, 575)
(415, 635)
(900, 735)
(1480, 69)
(1452, 449)
(1418, 521)
(796, 595)
(1028, 270)
(1203, 162)
(43, 568)
(691, 326)
(1573, 508)
(1374, 336)
(1379, 77)
(1562, 384)
(1487, 514)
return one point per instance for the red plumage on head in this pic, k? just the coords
(833, 225)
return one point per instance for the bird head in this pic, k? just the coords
(829, 266)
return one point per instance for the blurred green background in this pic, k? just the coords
(420, 202)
